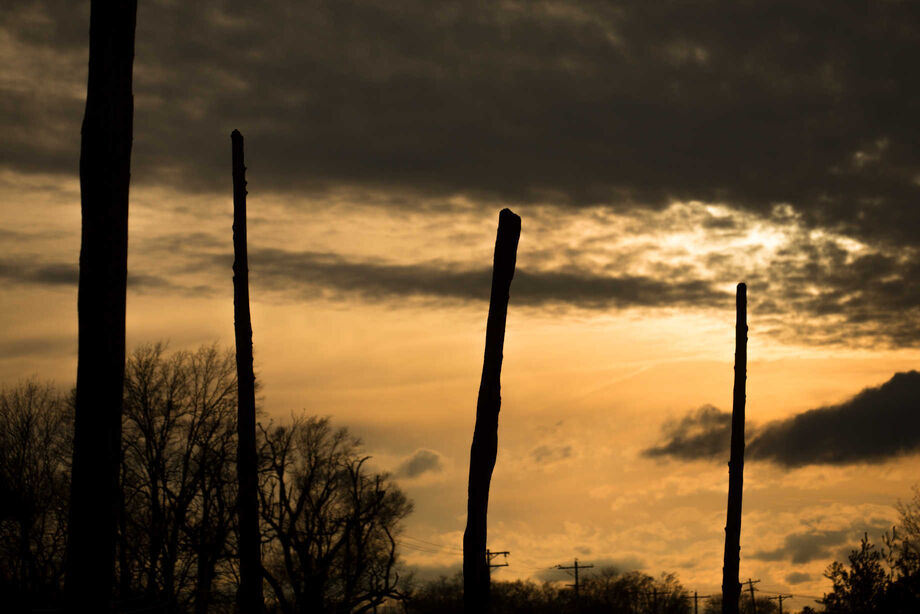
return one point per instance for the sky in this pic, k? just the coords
(657, 152)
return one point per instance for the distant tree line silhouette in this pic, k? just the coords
(607, 592)
(881, 580)
(328, 523)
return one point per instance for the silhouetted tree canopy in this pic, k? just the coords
(881, 580)
(608, 591)
(328, 522)
(35, 443)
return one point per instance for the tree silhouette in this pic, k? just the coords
(35, 433)
(105, 166)
(177, 474)
(330, 524)
(861, 588)
(485, 432)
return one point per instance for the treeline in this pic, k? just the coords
(881, 579)
(607, 592)
(329, 523)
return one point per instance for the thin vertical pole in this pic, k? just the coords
(485, 433)
(250, 596)
(731, 587)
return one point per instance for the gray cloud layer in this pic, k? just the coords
(571, 102)
(875, 425)
(310, 272)
(575, 100)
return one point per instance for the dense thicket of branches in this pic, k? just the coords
(330, 523)
(606, 592)
(35, 443)
(328, 526)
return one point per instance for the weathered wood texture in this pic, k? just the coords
(105, 171)
(485, 434)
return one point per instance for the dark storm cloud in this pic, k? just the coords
(573, 101)
(815, 544)
(874, 426)
(423, 461)
(312, 273)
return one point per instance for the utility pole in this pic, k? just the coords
(696, 601)
(491, 555)
(780, 599)
(576, 567)
(751, 584)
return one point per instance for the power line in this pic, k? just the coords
(430, 543)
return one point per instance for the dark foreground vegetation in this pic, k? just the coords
(329, 525)
(881, 579)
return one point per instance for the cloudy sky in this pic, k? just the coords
(658, 153)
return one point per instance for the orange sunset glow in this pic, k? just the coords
(658, 154)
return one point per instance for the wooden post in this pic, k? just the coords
(250, 596)
(485, 434)
(105, 174)
(731, 587)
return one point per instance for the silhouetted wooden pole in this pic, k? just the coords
(731, 587)
(250, 595)
(485, 433)
(105, 174)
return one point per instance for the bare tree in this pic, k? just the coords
(177, 474)
(105, 167)
(35, 432)
(330, 523)
(731, 587)
(485, 433)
